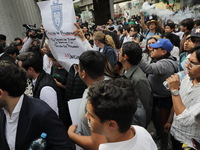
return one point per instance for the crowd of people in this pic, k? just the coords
(120, 79)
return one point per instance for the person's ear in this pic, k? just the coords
(112, 125)
(126, 57)
(164, 52)
(2, 93)
(82, 74)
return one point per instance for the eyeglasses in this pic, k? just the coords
(193, 64)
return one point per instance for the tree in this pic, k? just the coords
(77, 10)
(101, 11)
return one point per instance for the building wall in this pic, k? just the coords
(15, 13)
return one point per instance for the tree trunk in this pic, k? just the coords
(101, 11)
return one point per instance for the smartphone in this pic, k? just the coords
(196, 144)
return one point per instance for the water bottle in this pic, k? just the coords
(181, 75)
(40, 143)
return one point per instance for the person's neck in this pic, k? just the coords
(196, 80)
(91, 81)
(116, 136)
(35, 75)
(186, 31)
(126, 65)
(11, 103)
(153, 30)
(127, 35)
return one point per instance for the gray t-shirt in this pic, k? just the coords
(85, 130)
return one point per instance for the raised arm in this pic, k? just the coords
(143, 25)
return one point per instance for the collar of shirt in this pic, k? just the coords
(16, 111)
(34, 81)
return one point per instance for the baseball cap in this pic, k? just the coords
(195, 32)
(163, 43)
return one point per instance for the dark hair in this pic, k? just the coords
(1, 47)
(11, 50)
(133, 51)
(169, 36)
(127, 28)
(120, 29)
(197, 22)
(114, 100)
(30, 59)
(195, 40)
(171, 25)
(111, 19)
(2, 37)
(188, 22)
(19, 39)
(136, 28)
(197, 50)
(12, 79)
(93, 62)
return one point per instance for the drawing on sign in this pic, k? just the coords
(57, 16)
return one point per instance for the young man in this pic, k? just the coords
(90, 69)
(45, 87)
(130, 55)
(186, 27)
(186, 103)
(110, 109)
(126, 31)
(149, 29)
(164, 66)
(23, 119)
(170, 27)
(135, 34)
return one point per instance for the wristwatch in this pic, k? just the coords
(175, 92)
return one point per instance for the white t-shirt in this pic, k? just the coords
(141, 141)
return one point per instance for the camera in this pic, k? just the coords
(32, 28)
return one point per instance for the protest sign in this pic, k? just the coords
(58, 18)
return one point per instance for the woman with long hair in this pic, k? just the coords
(106, 45)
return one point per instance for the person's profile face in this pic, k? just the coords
(193, 66)
(168, 29)
(93, 120)
(188, 44)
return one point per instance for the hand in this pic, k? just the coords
(79, 32)
(173, 82)
(167, 127)
(72, 129)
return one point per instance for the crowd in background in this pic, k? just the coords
(144, 50)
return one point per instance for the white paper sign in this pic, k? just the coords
(74, 106)
(58, 18)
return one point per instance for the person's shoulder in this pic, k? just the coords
(140, 130)
(108, 48)
(39, 106)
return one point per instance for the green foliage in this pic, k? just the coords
(77, 9)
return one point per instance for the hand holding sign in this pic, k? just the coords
(58, 18)
(79, 32)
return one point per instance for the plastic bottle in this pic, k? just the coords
(40, 143)
(181, 75)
